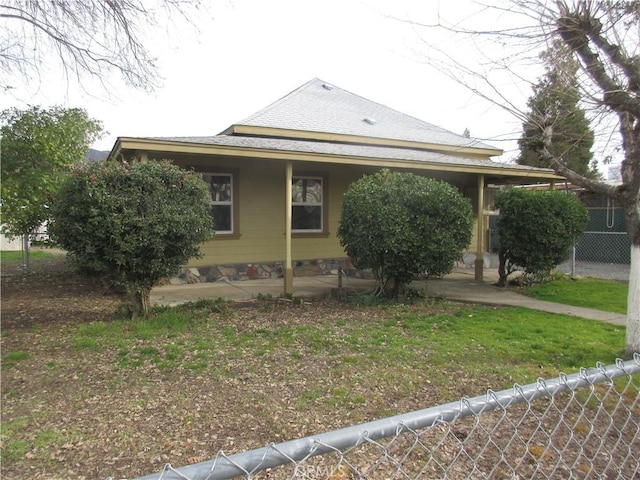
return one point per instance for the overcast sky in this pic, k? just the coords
(253, 52)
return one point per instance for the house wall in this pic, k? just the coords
(260, 217)
(261, 207)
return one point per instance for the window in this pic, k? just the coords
(221, 189)
(307, 204)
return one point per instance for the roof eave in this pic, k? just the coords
(115, 150)
(251, 130)
(173, 146)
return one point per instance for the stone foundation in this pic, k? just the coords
(469, 260)
(301, 268)
(260, 271)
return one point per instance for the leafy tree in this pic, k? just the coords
(91, 37)
(134, 222)
(38, 148)
(536, 229)
(554, 112)
(401, 225)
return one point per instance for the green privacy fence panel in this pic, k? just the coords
(605, 239)
(606, 220)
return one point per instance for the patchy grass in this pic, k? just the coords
(492, 339)
(14, 256)
(605, 295)
(97, 390)
(86, 395)
(11, 359)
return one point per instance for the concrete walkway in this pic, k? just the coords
(459, 286)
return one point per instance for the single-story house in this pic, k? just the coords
(277, 178)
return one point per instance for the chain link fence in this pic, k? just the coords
(604, 249)
(582, 426)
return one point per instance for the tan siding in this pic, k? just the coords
(261, 215)
(339, 179)
(261, 219)
(261, 211)
(474, 237)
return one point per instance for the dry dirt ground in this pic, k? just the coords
(71, 411)
(87, 419)
(51, 294)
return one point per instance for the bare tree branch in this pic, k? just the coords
(604, 36)
(85, 37)
(579, 29)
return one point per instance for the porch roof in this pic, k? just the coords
(319, 122)
(333, 152)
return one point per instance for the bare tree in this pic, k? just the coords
(604, 36)
(84, 37)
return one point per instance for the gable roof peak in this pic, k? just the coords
(322, 108)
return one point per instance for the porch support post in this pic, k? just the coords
(288, 269)
(479, 264)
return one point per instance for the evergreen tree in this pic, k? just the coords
(555, 117)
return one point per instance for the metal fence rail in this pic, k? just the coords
(585, 425)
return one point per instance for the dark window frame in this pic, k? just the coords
(234, 215)
(323, 204)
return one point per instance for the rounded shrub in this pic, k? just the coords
(134, 222)
(401, 225)
(536, 229)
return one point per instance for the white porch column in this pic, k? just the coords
(479, 264)
(288, 269)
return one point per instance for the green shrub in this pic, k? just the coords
(135, 222)
(401, 225)
(536, 230)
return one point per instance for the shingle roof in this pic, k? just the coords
(341, 123)
(345, 150)
(318, 106)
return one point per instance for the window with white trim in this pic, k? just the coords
(307, 204)
(221, 190)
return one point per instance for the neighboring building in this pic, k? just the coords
(278, 177)
(13, 244)
(10, 244)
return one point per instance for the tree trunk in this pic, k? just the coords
(25, 252)
(628, 196)
(140, 302)
(502, 269)
(633, 303)
(633, 298)
(397, 287)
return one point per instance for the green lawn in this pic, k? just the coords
(490, 342)
(123, 396)
(605, 295)
(13, 256)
